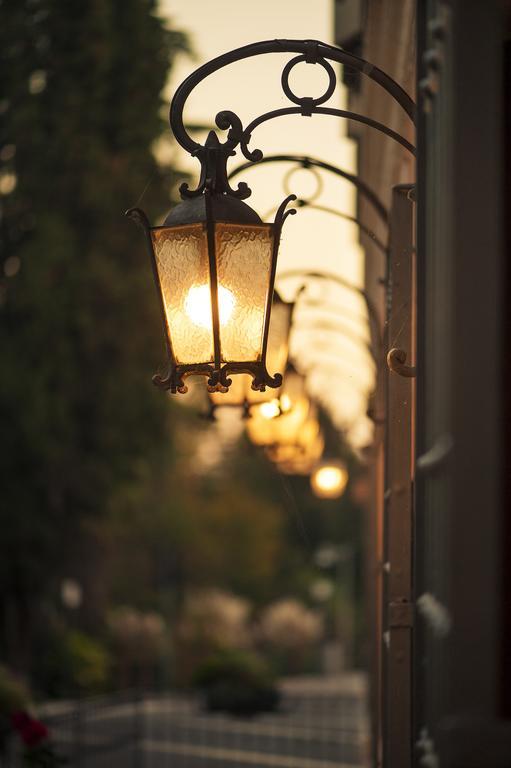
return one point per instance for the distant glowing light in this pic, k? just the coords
(37, 82)
(276, 407)
(321, 590)
(71, 593)
(198, 305)
(12, 266)
(329, 481)
(285, 403)
(270, 410)
(8, 182)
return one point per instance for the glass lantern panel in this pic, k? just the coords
(244, 256)
(241, 390)
(278, 337)
(183, 269)
(276, 352)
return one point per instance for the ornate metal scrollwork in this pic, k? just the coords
(312, 163)
(213, 159)
(213, 155)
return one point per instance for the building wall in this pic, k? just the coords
(459, 499)
(462, 652)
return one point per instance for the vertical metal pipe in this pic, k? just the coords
(399, 509)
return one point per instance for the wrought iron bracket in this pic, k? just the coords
(396, 359)
(311, 163)
(213, 155)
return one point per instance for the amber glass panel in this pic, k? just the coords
(183, 268)
(244, 255)
(278, 338)
(277, 350)
(241, 390)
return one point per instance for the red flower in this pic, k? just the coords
(31, 731)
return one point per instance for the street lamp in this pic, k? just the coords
(329, 480)
(291, 435)
(214, 260)
(300, 456)
(269, 426)
(308, 277)
(214, 263)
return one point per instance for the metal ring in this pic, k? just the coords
(306, 102)
(314, 172)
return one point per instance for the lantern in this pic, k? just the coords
(329, 479)
(241, 394)
(270, 425)
(214, 264)
(300, 454)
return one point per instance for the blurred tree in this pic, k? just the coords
(176, 532)
(80, 86)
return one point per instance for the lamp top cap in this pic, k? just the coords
(224, 208)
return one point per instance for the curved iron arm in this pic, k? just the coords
(376, 331)
(333, 112)
(334, 212)
(331, 308)
(371, 307)
(341, 330)
(346, 216)
(309, 365)
(335, 368)
(214, 154)
(310, 162)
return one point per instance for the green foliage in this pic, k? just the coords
(13, 694)
(80, 88)
(237, 540)
(74, 664)
(99, 471)
(88, 661)
(238, 682)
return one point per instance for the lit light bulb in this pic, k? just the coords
(270, 410)
(285, 403)
(329, 481)
(198, 305)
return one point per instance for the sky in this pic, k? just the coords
(341, 372)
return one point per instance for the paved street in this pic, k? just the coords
(322, 724)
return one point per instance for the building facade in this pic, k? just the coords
(446, 702)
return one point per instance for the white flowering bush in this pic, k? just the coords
(212, 620)
(218, 619)
(138, 636)
(289, 625)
